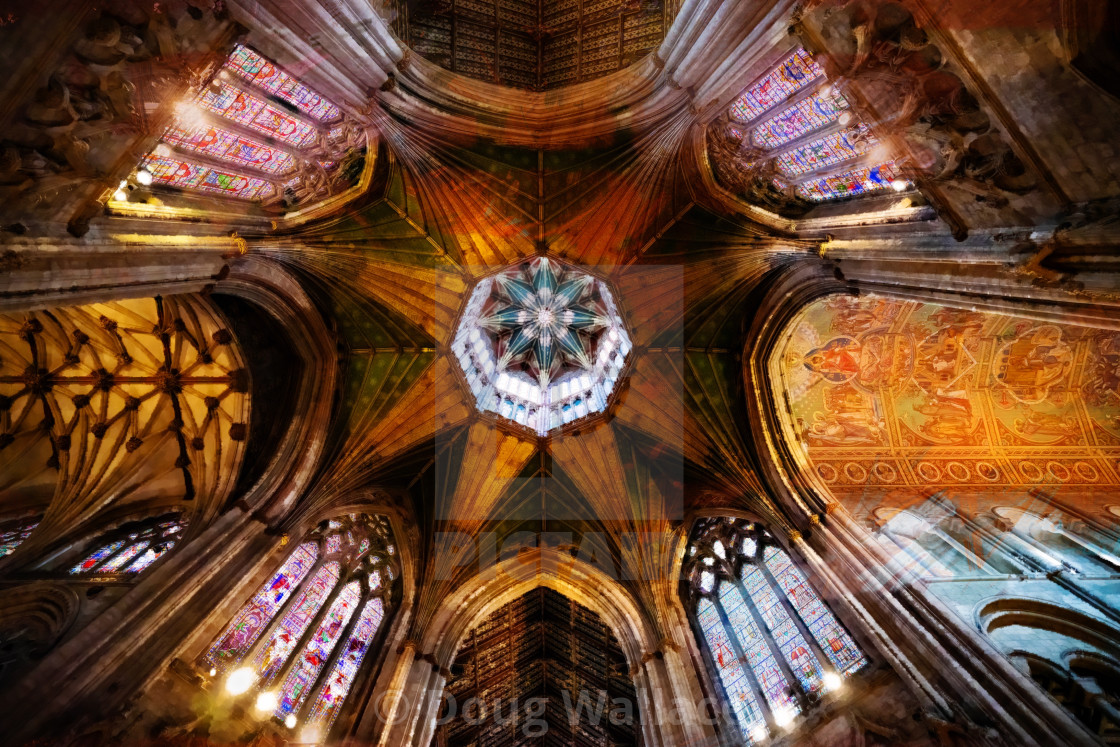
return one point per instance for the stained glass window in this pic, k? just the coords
(224, 145)
(806, 116)
(310, 627)
(337, 684)
(857, 181)
(131, 548)
(792, 644)
(185, 175)
(255, 616)
(744, 587)
(255, 113)
(762, 663)
(796, 72)
(829, 150)
(838, 646)
(14, 536)
(270, 659)
(260, 72)
(301, 677)
(836, 164)
(731, 674)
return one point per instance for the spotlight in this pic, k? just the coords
(213, 672)
(290, 721)
(900, 185)
(267, 701)
(784, 716)
(240, 680)
(759, 734)
(833, 682)
(120, 196)
(144, 177)
(844, 119)
(163, 150)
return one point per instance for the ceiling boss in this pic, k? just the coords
(541, 344)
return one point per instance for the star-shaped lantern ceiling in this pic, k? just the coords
(541, 344)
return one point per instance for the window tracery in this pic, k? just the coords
(774, 645)
(254, 132)
(796, 130)
(300, 641)
(133, 547)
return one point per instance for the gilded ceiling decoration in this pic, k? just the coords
(534, 44)
(541, 344)
(147, 398)
(534, 658)
(904, 398)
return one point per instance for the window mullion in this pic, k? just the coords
(822, 659)
(286, 607)
(309, 632)
(768, 636)
(733, 637)
(335, 655)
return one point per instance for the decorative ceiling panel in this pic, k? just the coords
(534, 44)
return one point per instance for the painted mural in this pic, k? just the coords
(913, 398)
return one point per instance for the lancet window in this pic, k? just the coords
(802, 128)
(254, 132)
(131, 548)
(299, 643)
(773, 645)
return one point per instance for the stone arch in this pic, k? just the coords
(33, 618)
(409, 709)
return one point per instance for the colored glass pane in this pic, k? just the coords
(13, 538)
(260, 72)
(334, 544)
(808, 115)
(151, 555)
(284, 638)
(829, 150)
(838, 646)
(175, 173)
(765, 668)
(301, 677)
(730, 669)
(796, 72)
(97, 557)
(256, 113)
(791, 643)
(341, 677)
(225, 145)
(858, 181)
(255, 616)
(121, 559)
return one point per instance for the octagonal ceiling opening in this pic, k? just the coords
(541, 344)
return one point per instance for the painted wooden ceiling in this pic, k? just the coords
(533, 44)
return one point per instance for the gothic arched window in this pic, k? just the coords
(132, 547)
(14, 531)
(773, 644)
(796, 125)
(299, 642)
(253, 132)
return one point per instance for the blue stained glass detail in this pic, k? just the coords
(270, 660)
(829, 150)
(731, 673)
(791, 643)
(97, 557)
(859, 181)
(838, 646)
(337, 683)
(796, 72)
(766, 670)
(806, 116)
